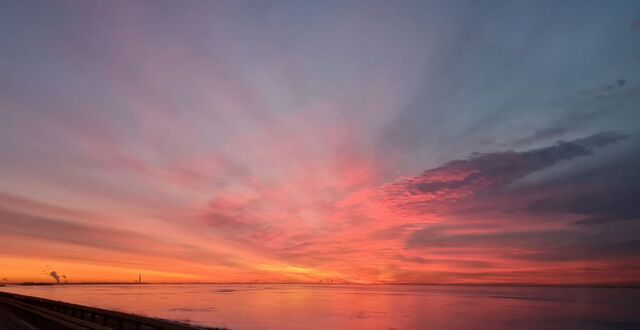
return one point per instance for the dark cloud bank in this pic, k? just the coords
(591, 212)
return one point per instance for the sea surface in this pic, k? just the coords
(281, 306)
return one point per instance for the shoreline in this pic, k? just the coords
(40, 313)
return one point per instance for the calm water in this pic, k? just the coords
(363, 307)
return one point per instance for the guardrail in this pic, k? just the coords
(51, 314)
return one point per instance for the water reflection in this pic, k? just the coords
(363, 307)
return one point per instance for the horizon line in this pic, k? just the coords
(576, 285)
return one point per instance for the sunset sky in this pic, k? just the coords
(293, 141)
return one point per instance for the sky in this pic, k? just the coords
(454, 142)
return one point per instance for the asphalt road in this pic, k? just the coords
(9, 321)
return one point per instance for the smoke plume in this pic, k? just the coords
(55, 276)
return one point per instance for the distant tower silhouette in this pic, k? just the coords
(140, 279)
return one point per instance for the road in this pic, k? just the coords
(9, 321)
